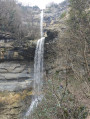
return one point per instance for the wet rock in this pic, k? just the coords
(51, 35)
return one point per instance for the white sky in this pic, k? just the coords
(40, 3)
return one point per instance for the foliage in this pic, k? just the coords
(9, 16)
(18, 19)
(64, 96)
(78, 31)
(63, 15)
(59, 102)
(79, 15)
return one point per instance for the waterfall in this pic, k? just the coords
(38, 67)
(38, 71)
(41, 24)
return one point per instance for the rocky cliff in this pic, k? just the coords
(53, 12)
(12, 48)
(16, 77)
(15, 89)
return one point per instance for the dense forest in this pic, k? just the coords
(66, 85)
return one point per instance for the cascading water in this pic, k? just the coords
(38, 71)
(41, 24)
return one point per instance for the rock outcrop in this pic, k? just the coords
(15, 76)
(13, 105)
(53, 12)
(16, 80)
(6, 36)
(12, 49)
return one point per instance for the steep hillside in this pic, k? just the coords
(67, 64)
(53, 12)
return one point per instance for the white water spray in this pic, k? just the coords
(38, 71)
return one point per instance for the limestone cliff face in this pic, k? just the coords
(16, 77)
(12, 49)
(7, 51)
(15, 89)
(24, 49)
